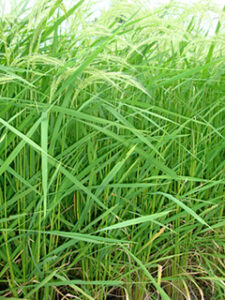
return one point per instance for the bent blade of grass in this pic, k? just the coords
(115, 170)
(185, 207)
(83, 282)
(13, 76)
(42, 283)
(75, 287)
(204, 187)
(81, 237)
(20, 178)
(11, 218)
(135, 221)
(20, 146)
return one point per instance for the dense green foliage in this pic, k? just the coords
(112, 146)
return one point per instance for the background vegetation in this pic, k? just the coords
(112, 146)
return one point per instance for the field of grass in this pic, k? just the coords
(112, 152)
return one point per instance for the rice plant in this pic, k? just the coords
(112, 147)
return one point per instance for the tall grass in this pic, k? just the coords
(112, 140)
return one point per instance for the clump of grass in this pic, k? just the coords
(112, 143)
